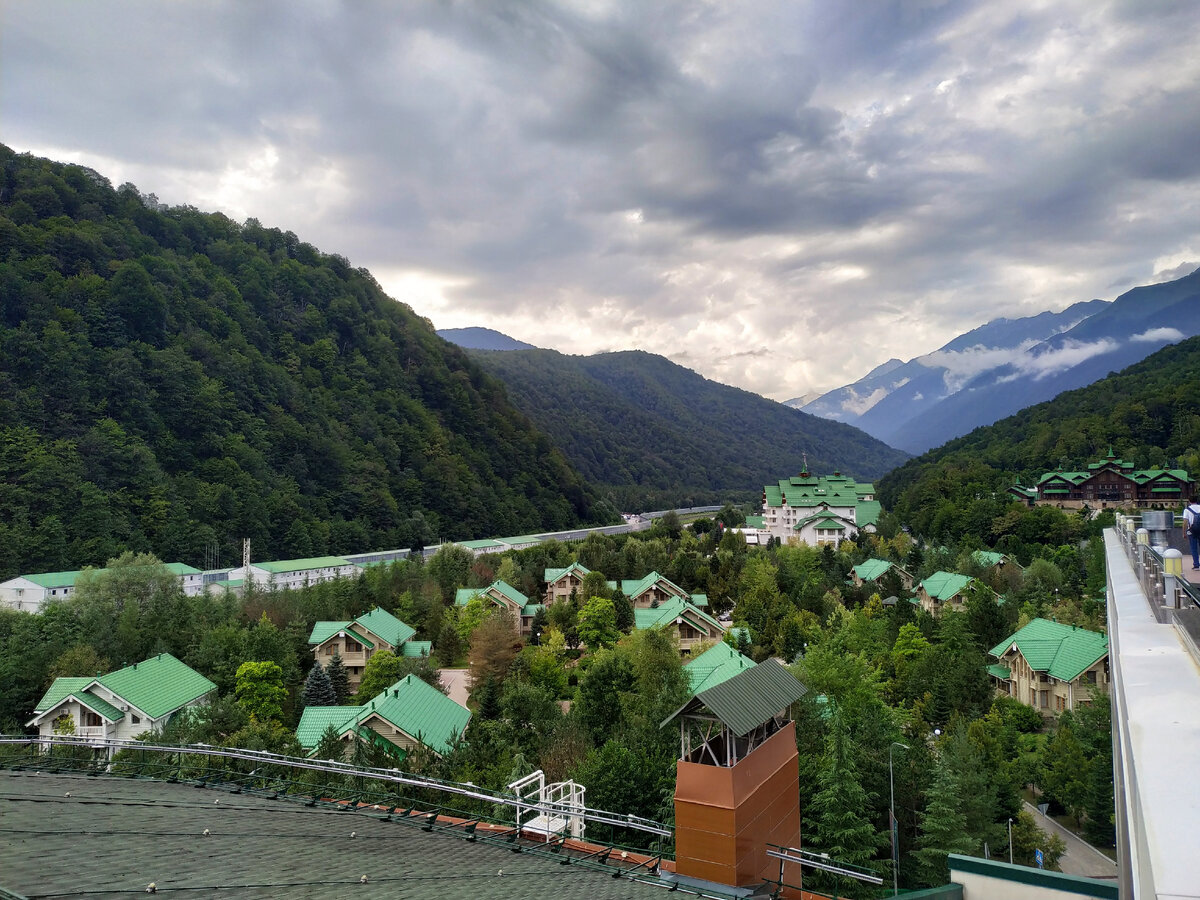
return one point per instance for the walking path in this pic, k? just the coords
(1081, 857)
(455, 682)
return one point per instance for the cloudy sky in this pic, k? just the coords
(780, 195)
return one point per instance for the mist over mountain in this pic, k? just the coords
(1006, 365)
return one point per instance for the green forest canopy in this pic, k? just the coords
(1148, 414)
(173, 381)
(653, 434)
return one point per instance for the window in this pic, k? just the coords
(134, 720)
(1090, 676)
(353, 646)
(89, 719)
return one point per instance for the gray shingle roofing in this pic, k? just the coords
(139, 831)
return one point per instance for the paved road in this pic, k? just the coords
(1081, 857)
(455, 681)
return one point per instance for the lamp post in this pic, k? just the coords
(1010, 840)
(892, 813)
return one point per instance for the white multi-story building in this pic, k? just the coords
(818, 509)
(29, 593)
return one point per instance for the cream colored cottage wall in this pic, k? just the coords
(561, 589)
(391, 733)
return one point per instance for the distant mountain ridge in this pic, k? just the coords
(476, 338)
(651, 433)
(1146, 413)
(1006, 365)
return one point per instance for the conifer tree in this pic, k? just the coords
(330, 746)
(318, 689)
(837, 822)
(339, 679)
(943, 828)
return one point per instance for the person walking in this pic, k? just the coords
(1191, 527)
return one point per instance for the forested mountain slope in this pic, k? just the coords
(652, 433)
(171, 380)
(1149, 413)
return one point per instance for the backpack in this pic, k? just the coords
(1193, 528)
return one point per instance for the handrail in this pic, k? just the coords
(392, 776)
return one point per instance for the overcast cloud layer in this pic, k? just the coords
(779, 195)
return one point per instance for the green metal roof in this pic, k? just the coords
(158, 685)
(416, 649)
(383, 624)
(945, 585)
(748, 698)
(177, 568)
(483, 544)
(531, 609)
(716, 664)
(1002, 672)
(754, 522)
(872, 569)
(100, 706)
(315, 719)
(53, 579)
(988, 558)
(700, 600)
(302, 565)
(665, 613)
(62, 687)
(1062, 651)
(635, 587)
(576, 569)
(420, 711)
(867, 512)
(323, 631)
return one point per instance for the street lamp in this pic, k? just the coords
(892, 814)
(1010, 858)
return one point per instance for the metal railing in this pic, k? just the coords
(327, 781)
(1163, 589)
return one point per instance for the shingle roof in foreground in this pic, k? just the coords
(138, 831)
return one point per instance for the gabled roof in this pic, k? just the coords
(382, 623)
(463, 596)
(576, 569)
(944, 585)
(421, 711)
(416, 649)
(61, 688)
(716, 664)
(748, 698)
(665, 613)
(482, 544)
(315, 719)
(323, 631)
(635, 587)
(1062, 651)
(158, 685)
(867, 512)
(302, 565)
(378, 622)
(872, 569)
(989, 558)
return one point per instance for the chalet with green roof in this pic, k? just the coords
(407, 715)
(655, 588)
(716, 664)
(946, 590)
(505, 597)
(991, 559)
(122, 704)
(870, 571)
(692, 625)
(1110, 482)
(357, 640)
(560, 583)
(818, 510)
(1050, 666)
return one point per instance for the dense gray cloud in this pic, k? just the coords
(780, 195)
